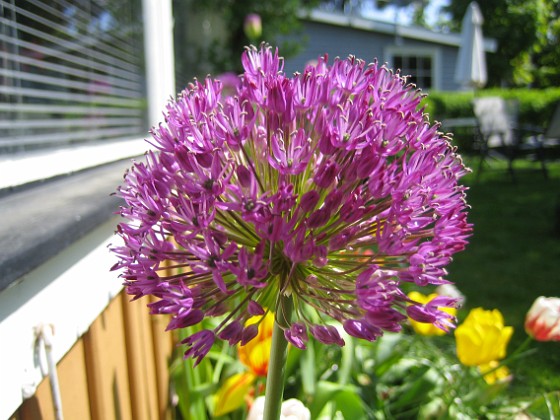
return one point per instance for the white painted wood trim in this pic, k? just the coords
(24, 168)
(68, 292)
(433, 52)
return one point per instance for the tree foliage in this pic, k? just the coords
(222, 51)
(527, 32)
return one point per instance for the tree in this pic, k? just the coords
(527, 32)
(221, 48)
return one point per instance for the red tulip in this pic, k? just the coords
(543, 319)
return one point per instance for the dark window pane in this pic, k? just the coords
(426, 82)
(412, 62)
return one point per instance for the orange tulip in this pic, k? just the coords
(254, 355)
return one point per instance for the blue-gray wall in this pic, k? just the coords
(320, 38)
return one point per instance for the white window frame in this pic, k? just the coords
(26, 167)
(433, 52)
(49, 295)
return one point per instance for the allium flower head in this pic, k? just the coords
(330, 187)
(433, 327)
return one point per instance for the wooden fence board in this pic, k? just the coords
(163, 352)
(141, 363)
(118, 370)
(73, 387)
(107, 370)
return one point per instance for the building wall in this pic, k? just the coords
(319, 38)
(447, 66)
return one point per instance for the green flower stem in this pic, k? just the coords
(277, 362)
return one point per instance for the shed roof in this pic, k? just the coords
(413, 32)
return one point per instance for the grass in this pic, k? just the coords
(513, 257)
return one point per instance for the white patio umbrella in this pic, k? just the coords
(471, 64)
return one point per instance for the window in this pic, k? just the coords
(72, 86)
(70, 72)
(422, 64)
(418, 67)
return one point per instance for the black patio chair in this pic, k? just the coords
(550, 137)
(499, 134)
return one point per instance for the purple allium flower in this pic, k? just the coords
(330, 187)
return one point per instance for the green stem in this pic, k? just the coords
(277, 362)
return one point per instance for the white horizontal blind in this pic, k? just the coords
(70, 71)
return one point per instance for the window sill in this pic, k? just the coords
(29, 168)
(41, 218)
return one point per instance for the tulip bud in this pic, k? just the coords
(253, 26)
(543, 319)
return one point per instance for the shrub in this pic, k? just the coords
(536, 105)
(535, 108)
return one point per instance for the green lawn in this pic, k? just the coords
(514, 257)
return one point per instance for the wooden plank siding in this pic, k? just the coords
(118, 370)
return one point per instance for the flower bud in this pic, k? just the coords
(297, 335)
(253, 26)
(543, 319)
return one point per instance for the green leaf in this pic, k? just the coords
(307, 365)
(294, 354)
(546, 406)
(388, 352)
(329, 392)
(350, 404)
(347, 361)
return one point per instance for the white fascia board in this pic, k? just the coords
(421, 34)
(23, 168)
(159, 50)
(68, 292)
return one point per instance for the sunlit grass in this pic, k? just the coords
(514, 257)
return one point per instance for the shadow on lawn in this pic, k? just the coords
(514, 257)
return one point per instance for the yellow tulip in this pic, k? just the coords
(482, 338)
(426, 328)
(231, 395)
(495, 373)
